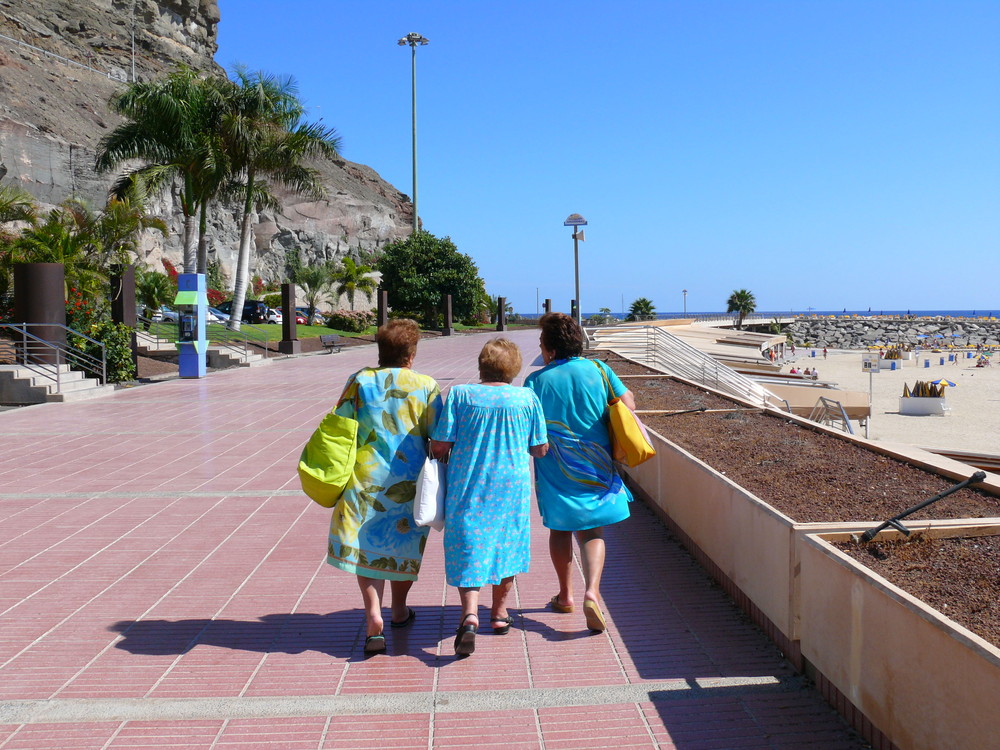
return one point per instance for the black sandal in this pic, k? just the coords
(506, 627)
(410, 617)
(465, 640)
(375, 644)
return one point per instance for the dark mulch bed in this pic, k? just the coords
(812, 476)
(955, 576)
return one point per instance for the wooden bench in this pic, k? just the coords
(331, 341)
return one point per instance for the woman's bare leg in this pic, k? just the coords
(592, 550)
(561, 552)
(470, 606)
(371, 593)
(498, 612)
(399, 590)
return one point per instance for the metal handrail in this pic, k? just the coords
(217, 334)
(31, 347)
(657, 347)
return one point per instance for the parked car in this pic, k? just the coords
(254, 311)
(166, 313)
(300, 318)
(317, 319)
(220, 316)
(274, 315)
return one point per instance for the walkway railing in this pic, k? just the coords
(655, 346)
(45, 358)
(239, 342)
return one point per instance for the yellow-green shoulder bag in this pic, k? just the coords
(630, 443)
(327, 460)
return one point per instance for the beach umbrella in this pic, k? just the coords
(945, 381)
(921, 335)
(938, 336)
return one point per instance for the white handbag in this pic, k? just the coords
(428, 505)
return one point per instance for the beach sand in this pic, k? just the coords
(972, 425)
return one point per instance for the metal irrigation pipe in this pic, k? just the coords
(979, 476)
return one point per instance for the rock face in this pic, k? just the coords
(61, 60)
(927, 333)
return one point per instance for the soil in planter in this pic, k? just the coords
(809, 476)
(958, 577)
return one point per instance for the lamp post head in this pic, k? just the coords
(413, 39)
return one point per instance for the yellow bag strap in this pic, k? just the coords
(612, 398)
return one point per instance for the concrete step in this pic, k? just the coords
(94, 391)
(22, 385)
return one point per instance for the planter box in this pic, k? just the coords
(923, 680)
(923, 406)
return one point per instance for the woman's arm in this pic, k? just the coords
(628, 399)
(439, 449)
(538, 451)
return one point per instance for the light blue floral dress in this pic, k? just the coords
(487, 533)
(372, 532)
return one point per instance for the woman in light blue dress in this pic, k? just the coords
(579, 492)
(491, 430)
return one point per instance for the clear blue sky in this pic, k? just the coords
(825, 154)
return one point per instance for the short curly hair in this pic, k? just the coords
(397, 342)
(499, 361)
(561, 335)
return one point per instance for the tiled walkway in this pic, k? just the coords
(162, 584)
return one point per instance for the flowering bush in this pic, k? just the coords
(215, 297)
(117, 340)
(171, 269)
(354, 321)
(82, 312)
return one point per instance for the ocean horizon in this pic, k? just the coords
(808, 312)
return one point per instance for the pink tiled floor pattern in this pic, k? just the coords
(194, 579)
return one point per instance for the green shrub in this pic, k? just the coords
(354, 321)
(272, 300)
(117, 340)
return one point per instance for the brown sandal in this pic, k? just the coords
(561, 608)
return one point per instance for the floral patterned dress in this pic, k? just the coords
(487, 533)
(372, 533)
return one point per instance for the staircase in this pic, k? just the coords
(39, 384)
(219, 356)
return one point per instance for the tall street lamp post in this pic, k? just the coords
(576, 221)
(413, 39)
(685, 293)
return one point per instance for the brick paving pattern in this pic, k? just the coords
(163, 584)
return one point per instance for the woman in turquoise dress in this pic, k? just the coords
(579, 491)
(372, 534)
(490, 429)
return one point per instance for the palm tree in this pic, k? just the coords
(350, 278)
(65, 237)
(741, 302)
(264, 140)
(153, 289)
(16, 204)
(315, 282)
(641, 309)
(169, 125)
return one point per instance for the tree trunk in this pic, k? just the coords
(242, 273)
(189, 239)
(203, 240)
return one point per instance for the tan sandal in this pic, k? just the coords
(595, 618)
(561, 608)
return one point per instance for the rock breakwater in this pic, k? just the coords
(860, 333)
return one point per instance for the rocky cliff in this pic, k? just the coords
(61, 60)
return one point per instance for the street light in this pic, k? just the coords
(413, 39)
(685, 293)
(575, 220)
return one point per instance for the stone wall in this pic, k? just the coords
(53, 113)
(858, 333)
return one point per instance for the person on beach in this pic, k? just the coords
(373, 534)
(491, 430)
(579, 492)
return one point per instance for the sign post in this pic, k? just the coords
(575, 220)
(870, 363)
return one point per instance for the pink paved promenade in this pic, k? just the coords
(163, 584)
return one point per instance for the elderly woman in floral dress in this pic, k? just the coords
(491, 430)
(372, 533)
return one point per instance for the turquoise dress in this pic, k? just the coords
(487, 533)
(372, 532)
(576, 482)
